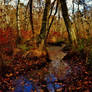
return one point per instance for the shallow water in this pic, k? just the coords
(57, 70)
(24, 85)
(50, 83)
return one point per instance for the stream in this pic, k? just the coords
(25, 85)
(57, 70)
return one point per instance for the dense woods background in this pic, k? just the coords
(29, 32)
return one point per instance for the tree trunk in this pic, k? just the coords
(18, 23)
(50, 24)
(45, 23)
(1, 63)
(73, 7)
(69, 26)
(31, 17)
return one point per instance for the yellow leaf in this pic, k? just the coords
(9, 75)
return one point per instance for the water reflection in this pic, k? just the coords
(24, 85)
(51, 83)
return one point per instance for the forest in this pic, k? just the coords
(45, 45)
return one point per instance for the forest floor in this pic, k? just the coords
(66, 72)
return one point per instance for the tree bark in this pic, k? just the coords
(69, 26)
(31, 17)
(45, 23)
(18, 23)
(52, 20)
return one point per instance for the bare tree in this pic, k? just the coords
(31, 15)
(18, 23)
(52, 19)
(45, 23)
(68, 23)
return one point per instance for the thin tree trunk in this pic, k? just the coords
(1, 63)
(69, 26)
(31, 17)
(52, 6)
(73, 7)
(4, 15)
(45, 23)
(18, 23)
(52, 21)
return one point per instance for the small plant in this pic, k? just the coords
(81, 44)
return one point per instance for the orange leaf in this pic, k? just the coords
(9, 75)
